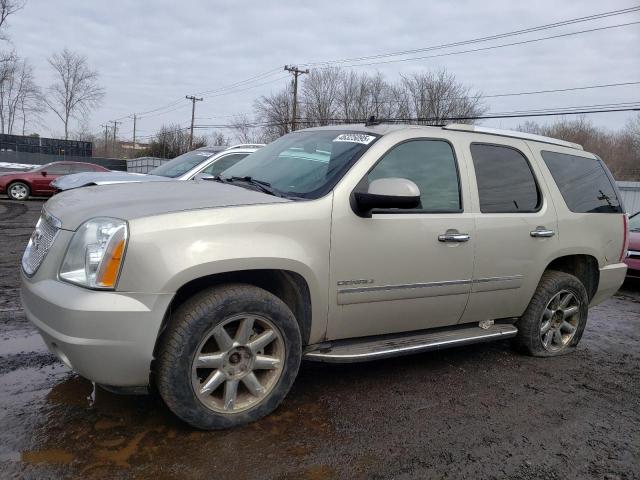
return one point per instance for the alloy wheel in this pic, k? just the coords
(238, 363)
(559, 321)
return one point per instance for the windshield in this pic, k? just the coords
(306, 163)
(634, 222)
(181, 164)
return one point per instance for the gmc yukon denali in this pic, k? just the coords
(333, 244)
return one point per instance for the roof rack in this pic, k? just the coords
(510, 133)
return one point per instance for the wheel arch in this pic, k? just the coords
(290, 287)
(583, 266)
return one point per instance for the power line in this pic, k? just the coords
(493, 47)
(480, 39)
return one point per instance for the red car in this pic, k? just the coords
(19, 185)
(633, 258)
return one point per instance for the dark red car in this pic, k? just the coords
(19, 185)
(633, 258)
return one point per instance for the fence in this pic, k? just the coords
(630, 192)
(29, 158)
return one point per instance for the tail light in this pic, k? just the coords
(625, 241)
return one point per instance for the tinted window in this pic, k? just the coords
(223, 163)
(505, 180)
(431, 165)
(57, 168)
(583, 182)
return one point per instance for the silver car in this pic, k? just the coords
(203, 162)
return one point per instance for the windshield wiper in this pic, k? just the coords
(263, 186)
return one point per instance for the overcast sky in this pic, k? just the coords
(151, 53)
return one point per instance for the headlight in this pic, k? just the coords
(95, 253)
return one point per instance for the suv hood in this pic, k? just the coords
(135, 200)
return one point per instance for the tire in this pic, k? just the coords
(18, 191)
(546, 313)
(200, 370)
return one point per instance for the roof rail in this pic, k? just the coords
(511, 133)
(247, 145)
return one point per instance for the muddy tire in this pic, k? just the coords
(18, 191)
(228, 357)
(555, 318)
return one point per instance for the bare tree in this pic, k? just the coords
(320, 94)
(219, 139)
(436, 97)
(171, 141)
(244, 130)
(274, 113)
(76, 91)
(19, 94)
(7, 8)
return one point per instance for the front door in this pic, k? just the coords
(404, 270)
(42, 183)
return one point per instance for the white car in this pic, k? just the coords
(205, 162)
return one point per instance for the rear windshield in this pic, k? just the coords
(181, 164)
(584, 183)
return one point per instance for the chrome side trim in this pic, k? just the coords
(403, 286)
(498, 279)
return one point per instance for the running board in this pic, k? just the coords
(385, 346)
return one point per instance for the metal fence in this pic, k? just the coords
(46, 146)
(144, 164)
(28, 158)
(630, 192)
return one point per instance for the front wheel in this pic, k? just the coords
(556, 316)
(18, 191)
(228, 357)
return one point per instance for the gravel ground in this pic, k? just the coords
(476, 412)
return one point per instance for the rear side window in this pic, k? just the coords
(583, 183)
(505, 180)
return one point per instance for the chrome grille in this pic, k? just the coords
(40, 242)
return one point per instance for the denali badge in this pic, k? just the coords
(362, 281)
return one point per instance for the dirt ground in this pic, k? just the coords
(475, 412)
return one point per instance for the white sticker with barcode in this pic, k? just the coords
(355, 138)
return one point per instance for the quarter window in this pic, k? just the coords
(583, 183)
(431, 165)
(505, 180)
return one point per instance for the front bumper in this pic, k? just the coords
(633, 262)
(107, 337)
(611, 278)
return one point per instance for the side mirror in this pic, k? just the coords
(387, 193)
(203, 176)
(43, 173)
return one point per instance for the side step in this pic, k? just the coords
(385, 346)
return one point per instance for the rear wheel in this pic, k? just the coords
(18, 191)
(556, 316)
(229, 356)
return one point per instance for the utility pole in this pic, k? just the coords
(115, 129)
(106, 133)
(193, 115)
(296, 73)
(134, 132)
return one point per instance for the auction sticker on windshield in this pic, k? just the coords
(355, 138)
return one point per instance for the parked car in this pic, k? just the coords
(332, 244)
(37, 181)
(633, 257)
(203, 162)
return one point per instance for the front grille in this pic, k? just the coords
(40, 242)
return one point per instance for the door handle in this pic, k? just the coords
(454, 236)
(542, 232)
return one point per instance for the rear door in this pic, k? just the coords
(516, 228)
